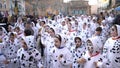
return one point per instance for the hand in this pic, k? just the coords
(44, 26)
(96, 64)
(81, 60)
(6, 62)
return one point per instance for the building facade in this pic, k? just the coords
(42, 7)
(9, 5)
(4, 5)
(79, 7)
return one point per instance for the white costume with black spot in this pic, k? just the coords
(31, 41)
(99, 40)
(111, 51)
(2, 57)
(77, 53)
(29, 58)
(94, 57)
(90, 60)
(84, 34)
(11, 49)
(66, 56)
(49, 44)
(66, 60)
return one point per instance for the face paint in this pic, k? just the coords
(113, 31)
(90, 46)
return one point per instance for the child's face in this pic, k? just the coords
(97, 32)
(63, 23)
(51, 33)
(78, 42)
(57, 42)
(41, 23)
(12, 38)
(9, 28)
(16, 30)
(113, 32)
(90, 46)
(24, 44)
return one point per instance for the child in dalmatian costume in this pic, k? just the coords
(99, 38)
(3, 34)
(105, 29)
(92, 58)
(84, 32)
(3, 38)
(11, 47)
(77, 52)
(30, 38)
(49, 44)
(19, 23)
(2, 57)
(111, 51)
(27, 57)
(47, 39)
(60, 55)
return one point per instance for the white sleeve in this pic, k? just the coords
(37, 57)
(68, 60)
(105, 49)
(99, 64)
(15, 60)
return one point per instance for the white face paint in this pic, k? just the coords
(90, 46)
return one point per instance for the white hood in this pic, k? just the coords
(96, 45)
(118, 29)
